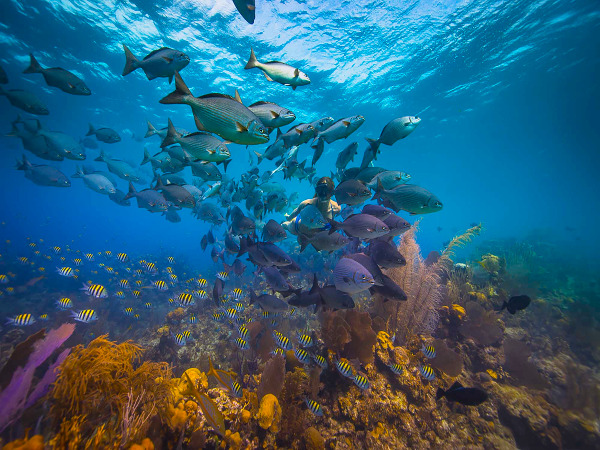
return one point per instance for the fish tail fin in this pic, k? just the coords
(14, 132)
(172, 134)
(101, 157)
(151, 130)
(252, 62)
(259, 156)
(91, 131)
(23, 165)
(34, 66)
(131, 62)
(303, 241)
(378, 190)
(180, 93)
(319, 147)
(374, 143)
(79, 173)
(333, 225)
(439, 394)
(147, 157)
(131, 192)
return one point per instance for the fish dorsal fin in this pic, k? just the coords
(237, 97)
(455, 386)
(198, 133)
(154, 52)
(267, 77)
(261, 103)
(217, 95)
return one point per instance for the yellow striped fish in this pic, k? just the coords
(95, 290)
(122, 257)
(21, 320)
(85, 315)
(186, 299)
(65, 303)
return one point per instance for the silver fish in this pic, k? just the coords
(351, 277)
(200, 146)
(220, 114)
(280, 72)
(164, 62)
(394, 131)
(43, 175)
(59, 77)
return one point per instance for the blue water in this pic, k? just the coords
(508, 93)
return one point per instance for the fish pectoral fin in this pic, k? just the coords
(347, 279)
(169, 60)
(296, 73)
(274, 115)
(268, 77)
(346, 123)
(241, 128)
(298, 131)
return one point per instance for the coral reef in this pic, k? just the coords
(269, 413)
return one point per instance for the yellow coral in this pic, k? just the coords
(384, 340)
(163, 331)
(196, 377)
(459, 311)
(492, 374)
(379, 430)
(178, 417)
(269, 413)
(34, 443)
(245, 416)
(233, 439)
(313, 439)
(176, 314)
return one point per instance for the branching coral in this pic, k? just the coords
(104, 383)
(422, 284)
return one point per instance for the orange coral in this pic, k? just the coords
(34, 443)
(175, 315)
(269, 413)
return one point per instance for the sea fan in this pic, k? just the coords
(422, 284)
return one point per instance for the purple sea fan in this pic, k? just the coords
(43, 385)
(45, 347)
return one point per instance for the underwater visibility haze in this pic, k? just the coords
(299, 224)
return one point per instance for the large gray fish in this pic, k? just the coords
(205, 170)
(149, 199)
(345, 156)
(35, 144)
(389, 179)
(268, 302)
(408, 197)
(164, 62)
(390, 290)
(362, 226)
(368, 263)
(3, 76)
(298, 135)
(59, 77)
(322, 124)
(25, 100)
(273, 232)
(163, 162)
(200, 145)
(339, 130)
(323, 241)
(377, 211)
(247, 9)
(220, 114)
(351, 192)
(106, 135)
(386, 255)
(273, 254)
(367, 174)
(240, 224)
(178, 195)
(280, 72)
(62, 143)
(209, 212)
(119, 198)
(351, 277)
(272, 115)
(275, 279)
(397, 225)
(330, 296)
(43, 175)
(96, 182)
(394, 131)
(120, 168)
(368, 157)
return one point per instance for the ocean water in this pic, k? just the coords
(507, 91)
